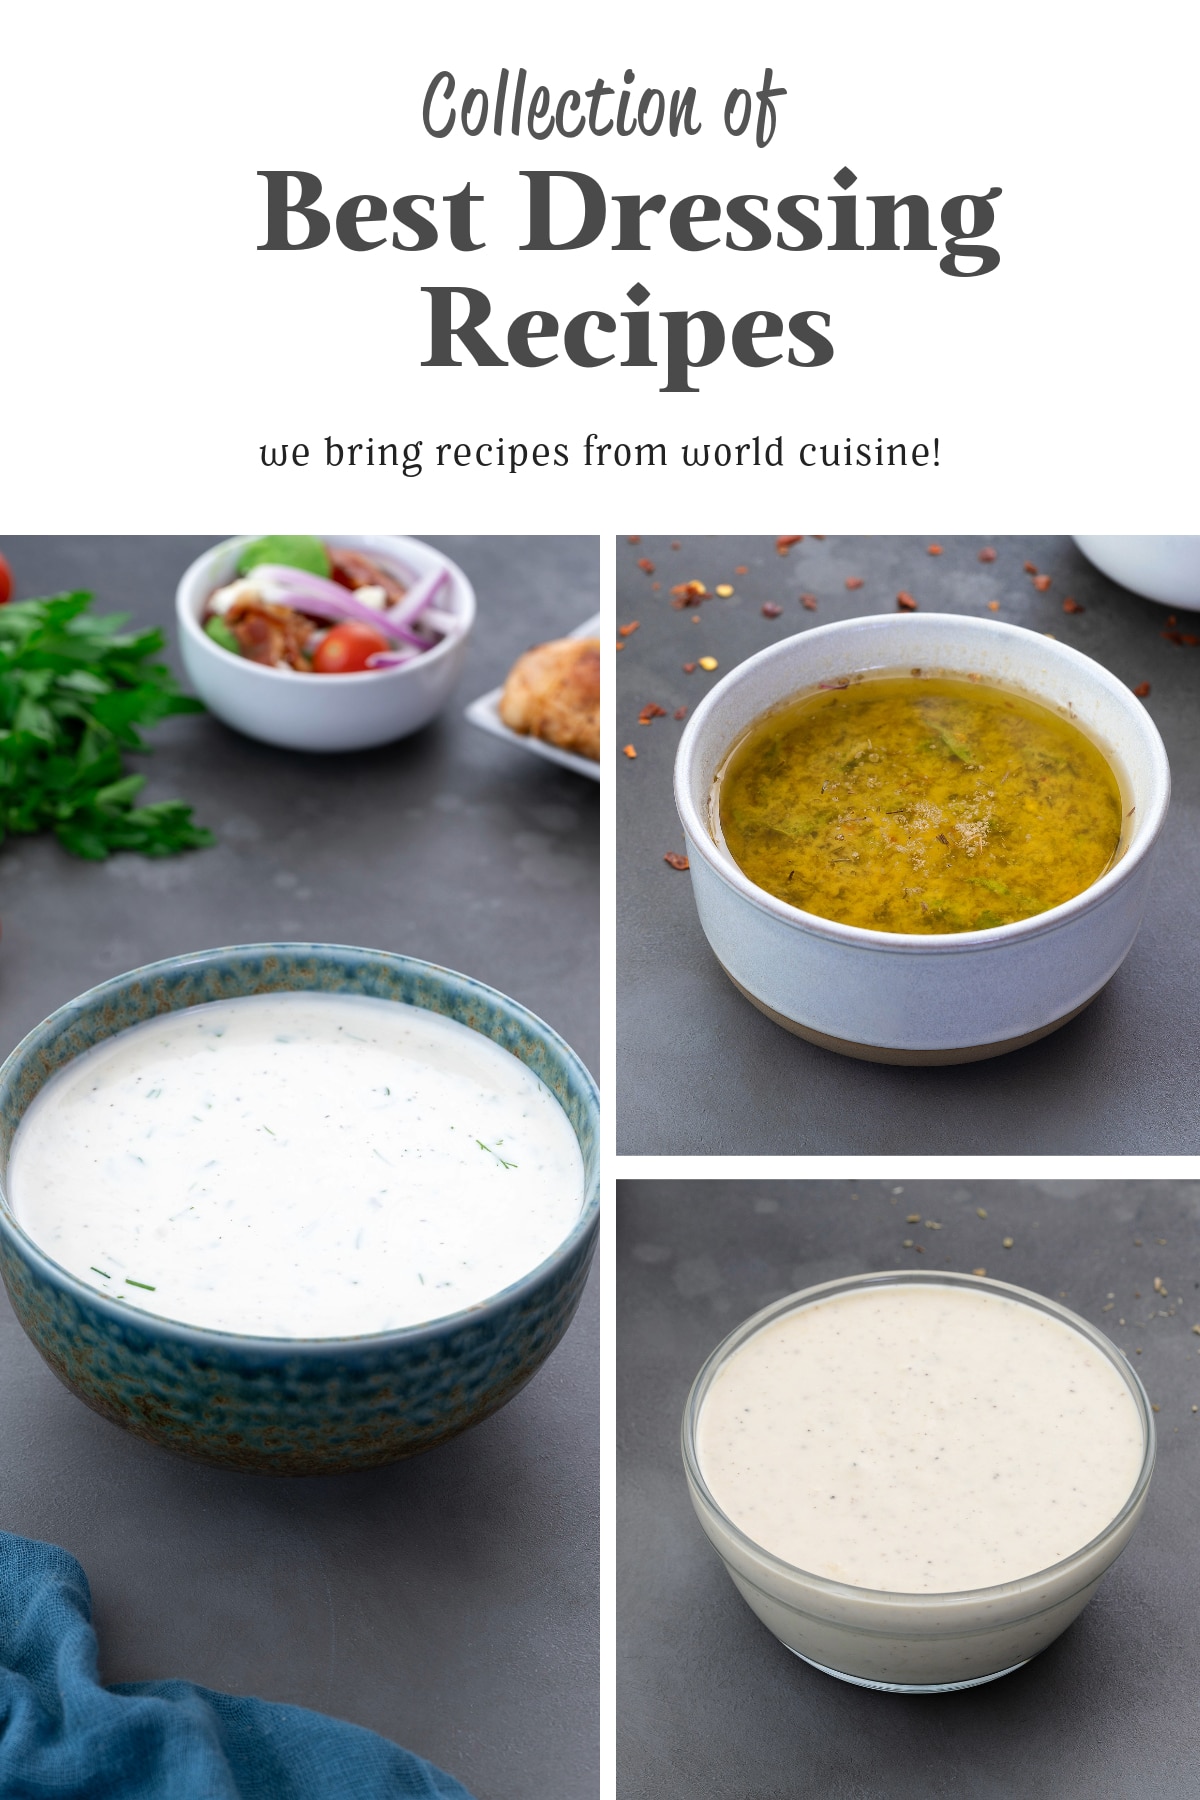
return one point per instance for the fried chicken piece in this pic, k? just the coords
(553, 693)
(269, 633)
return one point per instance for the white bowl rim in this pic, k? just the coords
(948, 943)
(965, 1597)
(189, 620)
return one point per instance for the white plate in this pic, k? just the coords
(485, 712)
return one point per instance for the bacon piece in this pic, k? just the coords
(351, 569)
(269, 633)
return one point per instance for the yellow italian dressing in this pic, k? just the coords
(921, 804)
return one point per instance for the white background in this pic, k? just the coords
(149, 348)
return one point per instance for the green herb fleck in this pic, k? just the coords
(495, 1153)
(96, 1271)
(961, 750)
(149, 1287)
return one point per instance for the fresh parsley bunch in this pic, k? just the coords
(74, 690)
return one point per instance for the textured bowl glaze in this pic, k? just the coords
(323, 712)
(890, 996)
(294, 1406)
(913, 1643)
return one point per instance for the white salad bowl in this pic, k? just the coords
(1158, 568)
(324, 712)
(906, 998)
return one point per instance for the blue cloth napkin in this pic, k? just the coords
(65, 1737)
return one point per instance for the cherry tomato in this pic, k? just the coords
(346, 649)
(6, 582)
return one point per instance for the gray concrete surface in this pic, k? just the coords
(700, 1070)
(450, 1602)
(710, 1705)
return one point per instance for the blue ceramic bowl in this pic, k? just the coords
(295, 1406)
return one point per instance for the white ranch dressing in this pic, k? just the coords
(919, 1439)
(297, 1165)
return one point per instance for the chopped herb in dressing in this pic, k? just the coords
(920, 804)
(496, 1154)
(296, 1237)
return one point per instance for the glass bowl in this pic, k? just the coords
(912, 1643)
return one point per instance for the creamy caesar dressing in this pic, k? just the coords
(920, 1439)
(297, 1165)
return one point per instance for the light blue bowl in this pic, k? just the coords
(295, 1406)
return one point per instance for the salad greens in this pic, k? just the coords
(220, 633)
(74, 690)
(307, 553)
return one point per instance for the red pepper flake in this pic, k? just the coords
(1189, 638)
(853, 582)
(809, 602)
(1171, 619)
(688, 593)
(689, 668)
(628, 630)
(677, 546)
(651, 711)
(620, 645)
(741, 569)
(1041, 583)
(988, 555)
(1142, 690)
(676, 861)
(770, 610)
(1069, 605)
(784, 544)
(905, 602)
(935, 550)
(630, 752)
(680, 712)
(993, 606)
(1172, 637)
(633, 540)
(656, 587)
(1030, 568)
(645, 565)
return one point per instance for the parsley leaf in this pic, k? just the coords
(75, 689)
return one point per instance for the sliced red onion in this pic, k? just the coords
(327, 600)
(283, 575)
(446, 623)
(393, 659)
(418, 597)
